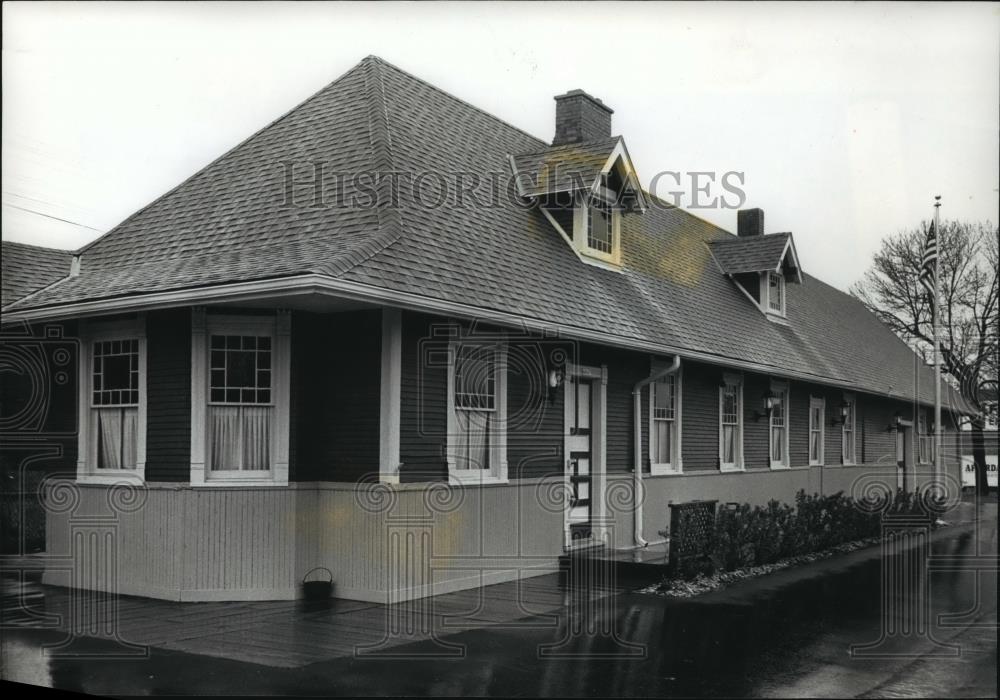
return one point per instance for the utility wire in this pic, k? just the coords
(49, 216)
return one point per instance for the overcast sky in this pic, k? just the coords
(845, 119)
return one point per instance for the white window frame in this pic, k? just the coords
(581, 230)
(925, 440)
(730, 379)
(820, 403)
(87, 471)
(852, 414)
(496, 473)
(765, 293)
(278, 327)
(784, 388)
(676, 463)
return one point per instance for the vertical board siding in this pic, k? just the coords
(336, 375)
(168, 386)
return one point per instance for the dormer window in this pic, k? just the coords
(600, 229)
(776, 293)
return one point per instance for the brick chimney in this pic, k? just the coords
(580, 117)
(750, 222)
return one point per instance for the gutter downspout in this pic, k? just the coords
(637, 467)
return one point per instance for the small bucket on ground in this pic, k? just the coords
(317, 589)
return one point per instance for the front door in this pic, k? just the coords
(579, 462)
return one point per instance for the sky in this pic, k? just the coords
(844, 119)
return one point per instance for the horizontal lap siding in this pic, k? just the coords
(756, 432)
(336, 390)
(424, 401)
(700, 416)
(168, 385)
(624, 370)
(535, 423)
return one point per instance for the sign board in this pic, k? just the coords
(969, 471)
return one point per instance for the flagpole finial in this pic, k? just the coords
(937, 200)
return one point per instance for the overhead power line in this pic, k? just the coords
(49, 216)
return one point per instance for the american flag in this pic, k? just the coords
(928, 264)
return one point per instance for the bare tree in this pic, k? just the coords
(968, 329)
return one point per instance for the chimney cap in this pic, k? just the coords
(580, 93)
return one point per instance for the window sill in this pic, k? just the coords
(112, 477)
(458, 479)
(780, 467)
(664, 470)
(730, 470)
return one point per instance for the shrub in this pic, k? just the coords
(746, 535)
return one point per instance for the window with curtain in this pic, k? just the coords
(925, 440)
(240, 403)
(475, 399)
(730, 424)
(816, 419)
(115, 402)
(779, 427)
(847, 437)
(664, 434)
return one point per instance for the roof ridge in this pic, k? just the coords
(482, 111)
(390, 221)
(133, 215)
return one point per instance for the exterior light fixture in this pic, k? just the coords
(769, 400)
(555, 380)
(845, 410)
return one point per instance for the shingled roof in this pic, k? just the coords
(228, 224)
(28, 268)
(751, 253)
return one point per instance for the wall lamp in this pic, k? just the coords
(896, 424)
(556, 378)
(770, 401)
(845, 410)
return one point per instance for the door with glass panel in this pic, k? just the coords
(579, 462)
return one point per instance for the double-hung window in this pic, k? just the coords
(240, 405)
(776, 293)
(240, 401)
(925, 441)
(477, 412)
(779, 425)
(113, 401)
(665, 425)
(600, 229)
(848, 441)
(817, 416)
(731, 422)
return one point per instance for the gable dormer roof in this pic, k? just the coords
(745, 254)
(574, 167)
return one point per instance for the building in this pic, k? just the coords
(391, 335)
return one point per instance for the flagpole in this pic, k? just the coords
(937, 345)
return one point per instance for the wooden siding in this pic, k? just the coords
(168, 386)
(700, 416)
(423, 399)
(336, 375)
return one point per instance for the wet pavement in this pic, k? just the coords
(841, 627)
